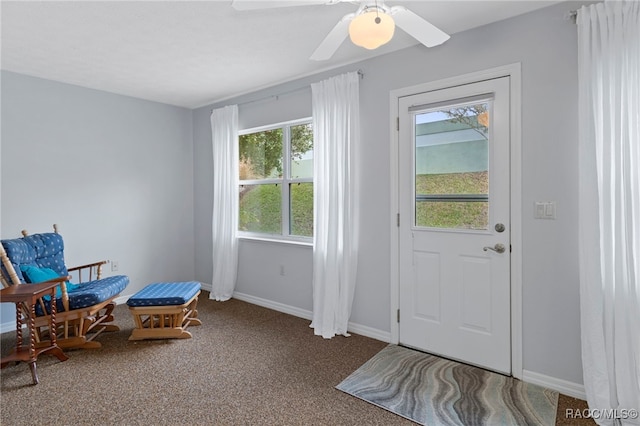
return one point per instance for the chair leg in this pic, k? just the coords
(34, 372)
(87, 325)
(78, 332)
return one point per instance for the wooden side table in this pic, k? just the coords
(28, 294)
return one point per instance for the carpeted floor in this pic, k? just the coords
(244, 365)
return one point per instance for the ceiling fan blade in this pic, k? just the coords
(333, 40)
(420, 29)
(271, 4)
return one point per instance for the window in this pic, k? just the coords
(276, 180)
(451, 183)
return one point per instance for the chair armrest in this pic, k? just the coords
(63, 286)
(89, 266)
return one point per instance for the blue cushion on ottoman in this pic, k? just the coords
(165, 294)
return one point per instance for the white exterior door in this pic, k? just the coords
(454, 232)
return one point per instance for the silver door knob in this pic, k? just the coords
(498, 248)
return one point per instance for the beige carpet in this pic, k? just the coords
(244, 365)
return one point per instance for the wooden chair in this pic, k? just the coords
(84, 310)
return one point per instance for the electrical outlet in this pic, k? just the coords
(114, 266)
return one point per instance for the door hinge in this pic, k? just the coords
(398, 315)
(398, 123)
(398, 219)
(510, 248)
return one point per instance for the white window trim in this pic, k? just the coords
(285, 181)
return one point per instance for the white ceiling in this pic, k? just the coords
(193, 53)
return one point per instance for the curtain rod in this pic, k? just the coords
(360, 73)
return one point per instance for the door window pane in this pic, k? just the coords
(452, 214)
(451, 167)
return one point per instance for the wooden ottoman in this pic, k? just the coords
(165, 310)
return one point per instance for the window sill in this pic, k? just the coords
(302, 243)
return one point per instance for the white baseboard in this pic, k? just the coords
(374, 333)
(362, 330)
(5, 327)
(276, 306)
(565, 387)
(122, 299)
(206, 286)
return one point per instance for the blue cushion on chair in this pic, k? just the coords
(46, 250)
(41, 250)
(91, 293)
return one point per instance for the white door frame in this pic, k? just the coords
(514, 72)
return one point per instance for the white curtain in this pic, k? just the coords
(609, 223)
(224, 132)
(336, 133)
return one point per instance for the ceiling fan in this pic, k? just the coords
(371, 26)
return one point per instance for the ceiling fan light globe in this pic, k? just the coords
(365, 32)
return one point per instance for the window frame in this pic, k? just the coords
(286, 181)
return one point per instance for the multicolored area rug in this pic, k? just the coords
(435, 391)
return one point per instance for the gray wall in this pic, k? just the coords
(115, 173)
(546, 46)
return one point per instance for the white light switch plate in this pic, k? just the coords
(545, 210)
